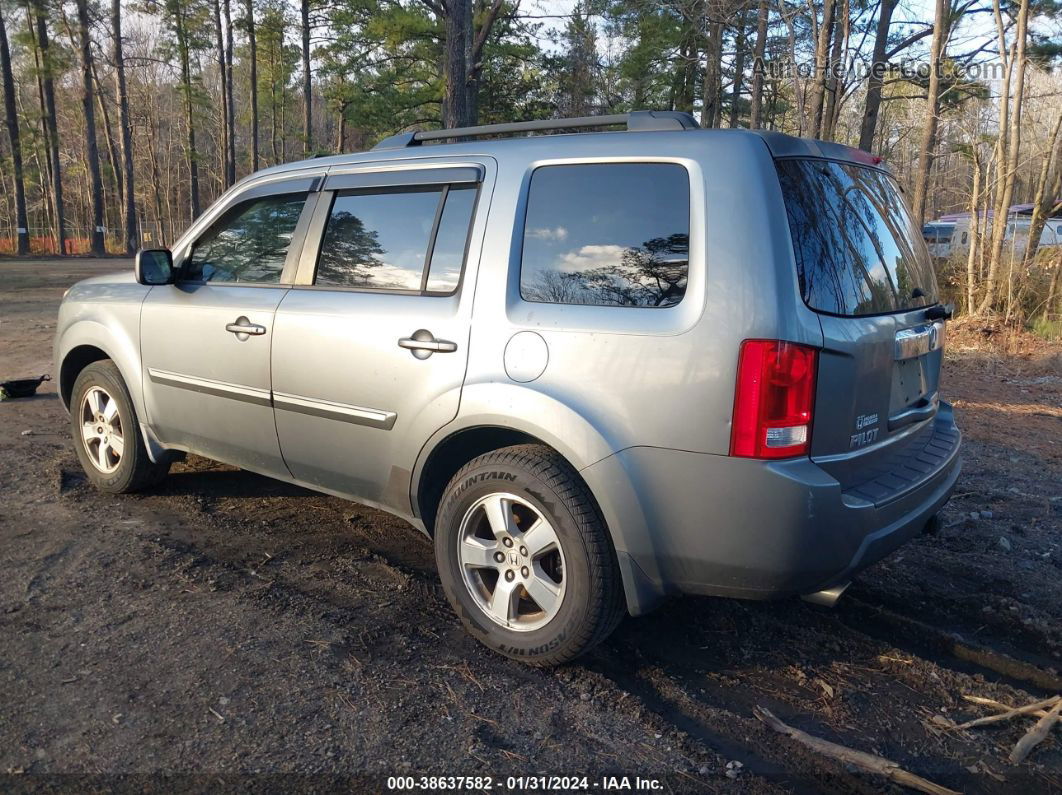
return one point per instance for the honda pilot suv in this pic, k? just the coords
(597, 368)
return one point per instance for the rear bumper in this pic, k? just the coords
(706, 524)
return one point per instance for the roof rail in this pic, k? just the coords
(637, 121)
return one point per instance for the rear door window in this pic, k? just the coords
(408, 240)
(612, 234)
(857, 250)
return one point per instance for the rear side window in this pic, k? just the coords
(397, 240)
(607, 234)
(249, 243)
(857, 250)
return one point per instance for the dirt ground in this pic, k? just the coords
(227, 624)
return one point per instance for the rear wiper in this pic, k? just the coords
(940, 312)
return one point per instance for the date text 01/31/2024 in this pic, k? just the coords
(524, 783)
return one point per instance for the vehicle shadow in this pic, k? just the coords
(184, 481)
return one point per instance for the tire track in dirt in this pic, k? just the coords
(895, 707)
(1019, 667)
(211, 549)
(672, 685)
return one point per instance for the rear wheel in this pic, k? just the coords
(525, 558)
(107, 435)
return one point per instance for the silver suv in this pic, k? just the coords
(597, 368)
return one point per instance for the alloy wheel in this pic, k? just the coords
(102, 431)
(511, 562)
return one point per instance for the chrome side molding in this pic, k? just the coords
(248, 394)
(358, 415)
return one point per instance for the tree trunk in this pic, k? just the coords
(756, 117)
(253, 58)
(457, 110)
(131, 237)
(1009, 169)
(1052, 291)
(44, 167)
(230, 114)
(929, 132)
(223, 116)
(713, 57)
(341, 130)
(971, 254)
(740, 45)
(189, 109)
(51, 131)
(872, 104)
(1047, 192)
(11, 120)
(822, 54)
(108, 131)
(307, 94)
(834, 86)
(92, 154)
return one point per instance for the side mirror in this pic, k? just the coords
(154, 266)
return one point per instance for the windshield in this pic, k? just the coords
(857, 250)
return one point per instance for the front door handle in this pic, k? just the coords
(244, 328)
(423, 344)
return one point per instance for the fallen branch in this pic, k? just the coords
(1037, 733)
(1012, 712)
(869, 762)
(999, 705)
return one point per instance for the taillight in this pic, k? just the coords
(773, 400)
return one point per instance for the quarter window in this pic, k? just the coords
(249, 243)
(611, 234)
(404, 240)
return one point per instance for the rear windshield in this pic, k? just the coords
(857, 250)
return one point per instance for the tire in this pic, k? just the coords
(100, 395)
(573, 572)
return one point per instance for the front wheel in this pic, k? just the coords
(107, 435)
(525, 558)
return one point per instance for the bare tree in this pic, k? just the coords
(92, 154)
(253, 67)
(872, 103)
(230, 111)
(307, 91)
(11, 120)
(834, 85)
(180, 27)
(51, 130)
(974, 231)
(1008, 140)
(223, 117)
(756, 117)
(130, 236)
(929, 131)
(740, 51)
(1048, 186)
(822, 32)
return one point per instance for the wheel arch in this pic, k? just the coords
(76, 360)
(88, 341)
(479, 428)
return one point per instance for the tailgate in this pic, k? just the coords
(865, 270)
(877, 394)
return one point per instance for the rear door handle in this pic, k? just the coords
(246, 328)
(423, 344)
